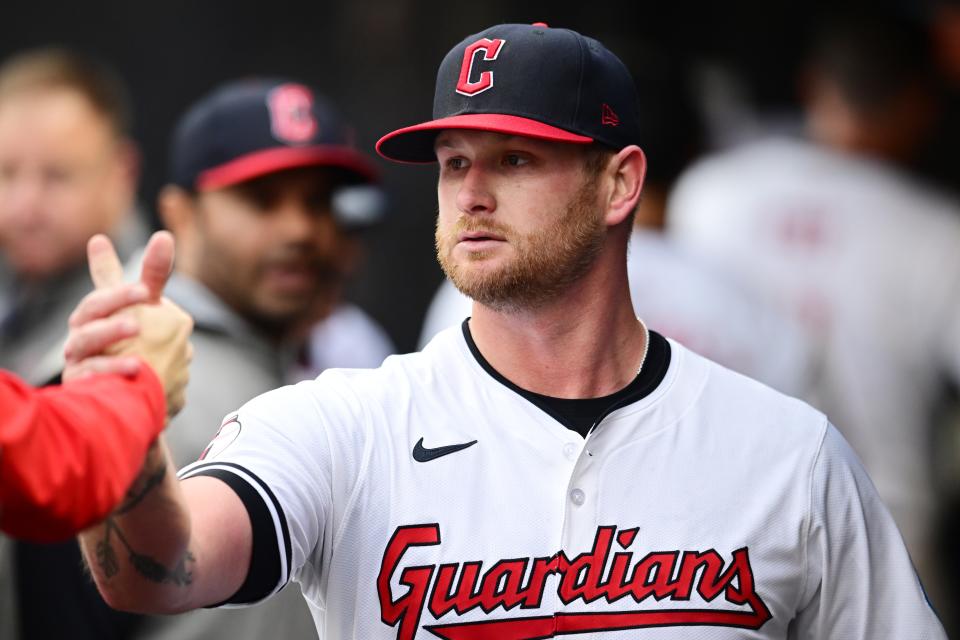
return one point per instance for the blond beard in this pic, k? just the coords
(547, 262)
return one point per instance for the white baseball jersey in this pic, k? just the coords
(430, 498)
(683, 298)
(870, 262)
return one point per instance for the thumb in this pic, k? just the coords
(105, 268)
(157, 263)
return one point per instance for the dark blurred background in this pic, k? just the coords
(377, 60)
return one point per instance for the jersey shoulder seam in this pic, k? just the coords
(808, 516)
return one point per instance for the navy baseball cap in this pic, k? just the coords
(526, 80)
(250, 128)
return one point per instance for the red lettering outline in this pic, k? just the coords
(502, 586)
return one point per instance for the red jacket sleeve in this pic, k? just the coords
(69, 453)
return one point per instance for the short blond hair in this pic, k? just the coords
(55, 68)
(595, 159)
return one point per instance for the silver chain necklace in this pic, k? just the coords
(646, 344)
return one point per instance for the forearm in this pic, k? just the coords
(68, 453)
(140, 556)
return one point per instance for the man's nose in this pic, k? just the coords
(302, 223)
(20, 197)
(474, 195)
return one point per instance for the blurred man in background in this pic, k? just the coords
(869, 88)
(264, 252)
(257, 167)
(836, 234)
(68, 170)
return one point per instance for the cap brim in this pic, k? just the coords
(415, 144)
(260, 163)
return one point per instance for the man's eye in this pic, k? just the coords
(455, 163)
(257, 196)
(515, 160)
(261, 201)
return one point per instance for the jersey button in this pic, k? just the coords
(578, 497)
(570, 451)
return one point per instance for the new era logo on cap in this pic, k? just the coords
(609, 117)
(528, 80)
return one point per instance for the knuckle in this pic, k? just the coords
(77, 346)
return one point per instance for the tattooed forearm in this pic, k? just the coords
(156, 572)
(143, 485)
(106, 556)
(146, 566)
(148, 480)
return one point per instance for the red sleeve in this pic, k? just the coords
(69, 453)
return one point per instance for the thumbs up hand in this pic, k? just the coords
(119, 325)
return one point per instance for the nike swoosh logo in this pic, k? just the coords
(423, 454)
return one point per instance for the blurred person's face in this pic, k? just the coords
(519, 221)
(64, 176)
(270, 247)
(892, 131)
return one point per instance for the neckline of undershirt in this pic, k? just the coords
(582, 414)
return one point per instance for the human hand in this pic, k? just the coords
(117, 324)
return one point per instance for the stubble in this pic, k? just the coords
(546, 262)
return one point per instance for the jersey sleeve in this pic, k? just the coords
(860, 581)
(69, 453)
(275, 455)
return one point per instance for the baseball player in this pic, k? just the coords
(69, 454)
(549, 468)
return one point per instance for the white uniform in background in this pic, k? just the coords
(347, 338)
(430, 498)
(870, 263)
(682, 298)
(448, 308)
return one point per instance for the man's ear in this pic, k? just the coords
(628, 168)
(175, 208)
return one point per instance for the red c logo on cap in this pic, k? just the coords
(291, 113)
(491, 49)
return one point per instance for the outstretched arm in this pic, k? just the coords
(171, 546)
